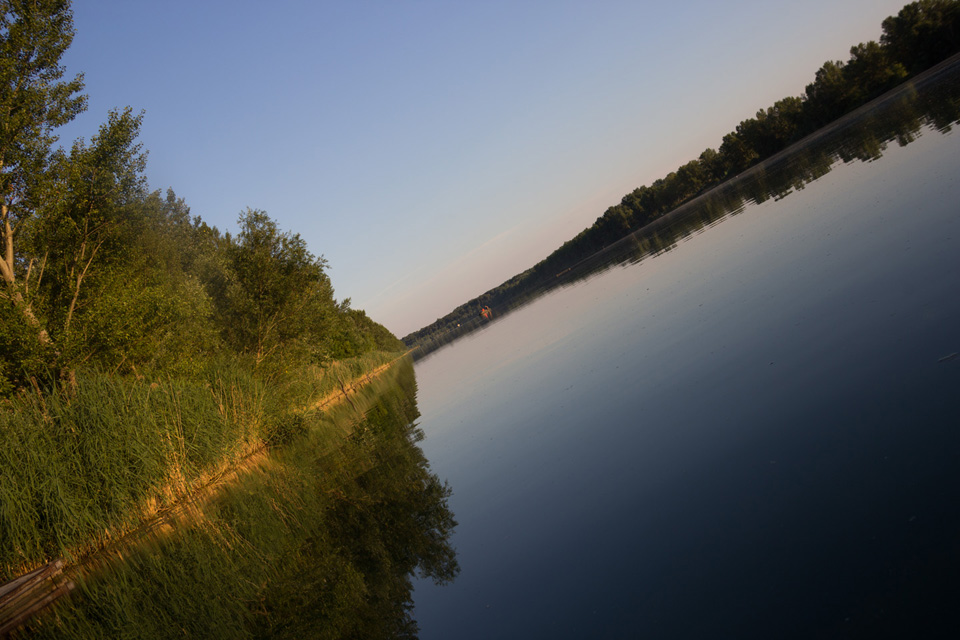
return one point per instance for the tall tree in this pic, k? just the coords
(34, 100)
(88, 192)
(281, 296)
(923, 33)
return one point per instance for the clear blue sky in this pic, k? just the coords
(431, 150)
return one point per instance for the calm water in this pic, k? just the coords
(754, 434)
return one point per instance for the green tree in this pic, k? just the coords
(923, 33)
(280, 296)
(712, 164)
(88, 195)
(693, 177)
(34, 100)
(736, 152)
(638, 202)
(828, 96)
(145, 309)
(871, 72)
(612, 225)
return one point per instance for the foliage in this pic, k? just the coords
(142, 351)
(923, 33)
(100, 273)
(279, 294)
(75, 234)
(104, 454)
(34, 100)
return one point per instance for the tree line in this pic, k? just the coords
(100, 272)
(921, 35)
(145, 354)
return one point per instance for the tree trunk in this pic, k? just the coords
(9, 277)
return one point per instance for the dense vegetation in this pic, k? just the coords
(152, 365)
(145, 353)
(100, 273)
(922, 34)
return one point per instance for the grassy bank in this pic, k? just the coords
(318, 541)
(85, 464)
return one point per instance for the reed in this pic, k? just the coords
(314, 382)
(318, 541)
(82, 466)
(86, 463)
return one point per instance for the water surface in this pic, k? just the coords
(753, 434)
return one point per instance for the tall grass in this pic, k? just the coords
(314, 382)
(81, 466)
(319, 541)
(81, 463)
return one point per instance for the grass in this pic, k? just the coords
(319, 541)
(81, 467)
(319, 381)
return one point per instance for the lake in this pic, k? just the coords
(752, 431)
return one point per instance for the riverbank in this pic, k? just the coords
(92, 473)
(318, 541)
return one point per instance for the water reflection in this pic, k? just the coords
(388, 521)
(864, 135)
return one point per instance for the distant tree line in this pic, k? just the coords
(98, 271)
(921, 35)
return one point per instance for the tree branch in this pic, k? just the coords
(80, 277)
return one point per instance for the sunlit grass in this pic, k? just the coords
(83, 466)
(277, 552)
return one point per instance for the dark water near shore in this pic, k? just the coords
(754, 434)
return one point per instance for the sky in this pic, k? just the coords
(430, 150)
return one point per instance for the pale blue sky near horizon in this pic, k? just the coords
(431, 150)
